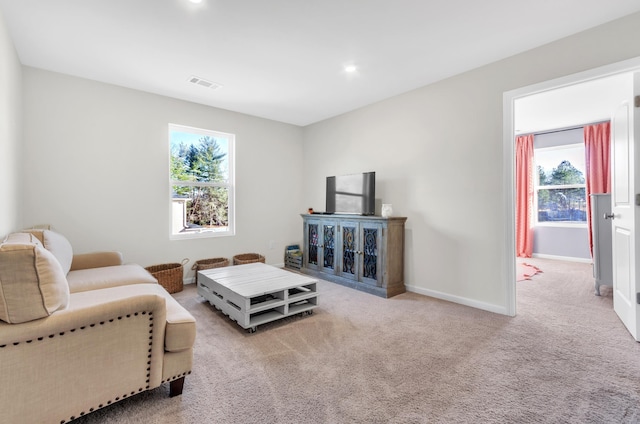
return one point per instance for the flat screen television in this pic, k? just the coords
(352, 194)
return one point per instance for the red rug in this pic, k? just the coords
(525, 271)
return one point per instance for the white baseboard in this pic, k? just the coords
(561, 258)
(458, 299)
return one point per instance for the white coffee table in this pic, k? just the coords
(256, 293)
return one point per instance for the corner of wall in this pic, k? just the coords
(11, 119)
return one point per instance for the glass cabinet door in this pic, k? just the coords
(313, 244)
(320, 240)
(360, 246)
(328, 246)
(370, 245)
(350, 258)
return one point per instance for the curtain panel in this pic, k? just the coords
(597, 147)
(524, 195)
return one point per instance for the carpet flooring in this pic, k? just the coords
(565, 358)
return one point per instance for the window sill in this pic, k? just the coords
(204, 234)
(563, 224)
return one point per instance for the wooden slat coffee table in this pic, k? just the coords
(256, 293)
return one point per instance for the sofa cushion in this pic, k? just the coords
(96, 260)
(180, 333)
(180, 330)
(32, 282)
(109, 276)
(57, 244)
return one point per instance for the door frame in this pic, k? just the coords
(508, 149)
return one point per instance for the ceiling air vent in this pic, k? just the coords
(204, 83)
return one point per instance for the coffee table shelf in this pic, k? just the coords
(256, 293)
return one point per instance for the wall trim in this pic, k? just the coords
(562, 258)
(489, 307)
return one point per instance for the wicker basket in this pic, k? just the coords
(247, 258)
(201, 264)
(169, 276)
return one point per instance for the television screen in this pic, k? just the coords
(351, 194)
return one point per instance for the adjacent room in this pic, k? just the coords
(310, 212)
(560, 124)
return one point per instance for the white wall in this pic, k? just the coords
(10, 132)
(437, 152)
(98, 171)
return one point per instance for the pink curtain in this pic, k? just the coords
(597, 147)
(524, 195)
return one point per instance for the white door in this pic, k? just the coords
(624, 162)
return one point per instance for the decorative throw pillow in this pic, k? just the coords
(22, 238)
(32, 282)
(57, 244)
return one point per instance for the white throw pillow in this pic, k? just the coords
(57, 244)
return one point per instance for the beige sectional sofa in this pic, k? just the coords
(80, 332)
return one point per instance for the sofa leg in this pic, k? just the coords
(175, 387)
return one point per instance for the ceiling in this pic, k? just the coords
(573, 105)
(284, 59)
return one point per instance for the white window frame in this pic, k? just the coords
(229, 184)
(537, 187)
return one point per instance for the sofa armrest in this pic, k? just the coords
(96, 260)
(107, 345)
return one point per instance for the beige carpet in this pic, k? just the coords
(565, 358)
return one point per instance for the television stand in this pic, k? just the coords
(361, 252)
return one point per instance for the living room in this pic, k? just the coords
(91, 159)
(72, 133)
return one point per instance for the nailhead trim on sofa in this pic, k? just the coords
(62, 333)
(175, 377)
(109, 402)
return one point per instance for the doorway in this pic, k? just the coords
(546, 104)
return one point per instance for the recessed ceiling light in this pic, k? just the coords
(350, 68)
(196, 1)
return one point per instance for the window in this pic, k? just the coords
(560, 190)
(202, 183)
